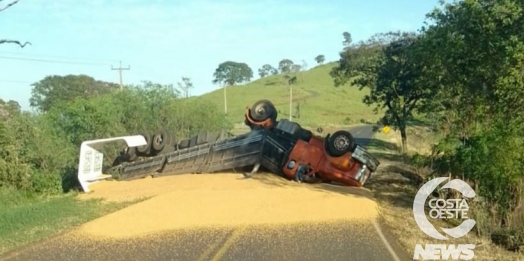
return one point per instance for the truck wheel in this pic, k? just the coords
(146, 149)
(160, 140)
(263, 110)
(340, 143)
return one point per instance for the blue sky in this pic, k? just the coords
(164, 40)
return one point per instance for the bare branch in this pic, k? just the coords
(2, 41)
(8, 5)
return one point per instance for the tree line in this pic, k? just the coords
(39, 150)
(233, 73)
(464, 71)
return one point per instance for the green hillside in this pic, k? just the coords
(321, 102)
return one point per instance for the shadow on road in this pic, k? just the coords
(383, 156)
(377, 145)
(395, 183)
(392, 189)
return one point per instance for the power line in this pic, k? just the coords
(120, 71)
(14, 81)
(49, 61)
(59, 57)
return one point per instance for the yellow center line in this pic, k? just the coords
(229, 242)
(211, 247)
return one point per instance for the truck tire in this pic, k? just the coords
(146, 149)
(263, 110)
(160, 140)
(340, 143)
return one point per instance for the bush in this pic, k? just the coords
(40, 151)
(492, 160)
(46, 184)
(511, 239)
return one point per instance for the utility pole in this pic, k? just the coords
(290, 102)
(225, 99)
(120, 71)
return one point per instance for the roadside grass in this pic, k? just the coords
(26, 219)
(320, 102)
(395, 185)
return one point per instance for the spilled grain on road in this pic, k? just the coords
(219, 201)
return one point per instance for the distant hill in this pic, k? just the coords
(320, 102)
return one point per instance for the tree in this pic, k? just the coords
(266, 70)
(8, 109)
(285, 65)
(231, 73)
(347, 39)
(320, 59)
(53, 89)
(474, 50)
(360, 58)
(398, 84)
(3, 41)
(185, 86)
(392, 75)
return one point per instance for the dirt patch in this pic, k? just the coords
(221, 200)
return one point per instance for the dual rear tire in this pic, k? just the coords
(159, 141)
(263, 110)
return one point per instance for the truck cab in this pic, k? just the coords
(335, 158)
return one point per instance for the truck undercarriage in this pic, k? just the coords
(282, 147)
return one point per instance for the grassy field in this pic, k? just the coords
(320, 102)
(25, 219)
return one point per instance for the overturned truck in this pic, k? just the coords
(282, 147)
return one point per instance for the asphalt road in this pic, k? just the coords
(343, 241)
(363, 134)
